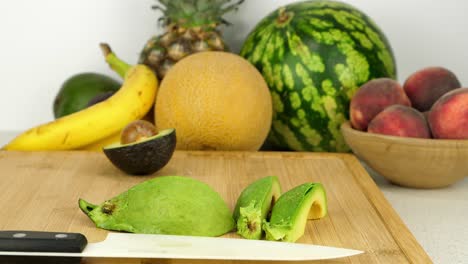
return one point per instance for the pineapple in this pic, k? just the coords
(191, 26)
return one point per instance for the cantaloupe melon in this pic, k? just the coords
(215, 101)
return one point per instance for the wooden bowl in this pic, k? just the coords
(410, 162)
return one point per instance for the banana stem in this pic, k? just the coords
(116, 64)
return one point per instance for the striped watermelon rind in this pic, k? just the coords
(314, 55)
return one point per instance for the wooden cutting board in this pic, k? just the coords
(40, 190)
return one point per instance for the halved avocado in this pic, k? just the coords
(143, 157)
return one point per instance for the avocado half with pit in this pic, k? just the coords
(143, 157)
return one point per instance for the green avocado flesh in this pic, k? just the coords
(165, 205)
(253, 206)
(292, 210)
(143, 157)
(77, 91)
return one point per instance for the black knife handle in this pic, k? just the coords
(34, 241)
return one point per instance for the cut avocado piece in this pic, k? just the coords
(174, 205)
(143, 157)
(253, 206)
(292, 210)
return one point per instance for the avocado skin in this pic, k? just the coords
(145, 157)
(76, 92)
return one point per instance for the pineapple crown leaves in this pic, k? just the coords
(206, 14)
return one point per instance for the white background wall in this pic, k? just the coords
(44, 42)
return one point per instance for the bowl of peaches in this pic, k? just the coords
(416, 134)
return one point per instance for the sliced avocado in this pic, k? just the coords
(143, 157)
(254, 204)
(174, 205)
(292, 210)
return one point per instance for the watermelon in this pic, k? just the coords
(314, 55)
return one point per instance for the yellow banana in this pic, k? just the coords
(98, 145)
(131, 102)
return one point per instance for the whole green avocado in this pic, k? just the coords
(77, 91)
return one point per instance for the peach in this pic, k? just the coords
(373, 97)
(401, 121)
(425, 86)
(448, 118)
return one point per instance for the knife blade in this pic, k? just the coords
(127, 245)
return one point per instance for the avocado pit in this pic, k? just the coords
(137, 131)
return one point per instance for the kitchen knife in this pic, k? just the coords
(126, 245)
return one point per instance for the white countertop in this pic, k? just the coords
(437, 218)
